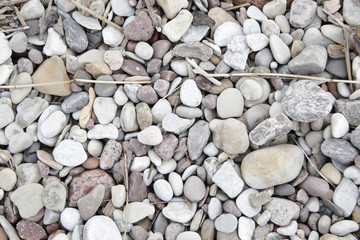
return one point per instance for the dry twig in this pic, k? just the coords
(92, 13)
(10, 2)
(237, 7)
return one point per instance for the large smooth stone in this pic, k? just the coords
(28, 199)
(272, 166)
(101, 228)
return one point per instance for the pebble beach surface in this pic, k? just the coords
(120, 133)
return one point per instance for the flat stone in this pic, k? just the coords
(137, 211)
(137, 188)
(52, 70)
(230, 103)
(100, 131)
(89, 204)
(190, 94)
(279, 49)
(244, 204)
(105, 109)
(271, 128)
(344, 227)
(193, 50)
(302, 64)
(166, 149)
(282, 211)
(198, 137)
(226, 223)
(349, 108)
(69, 153)
(230, 135)
(228, 180)
(194, 189)
(140, 29)
(101, 227)
(257, 41)
(30, 230)
(27, 173)
(172, 8)
(112, 36)
(313, 36)
(311, 102)
(178, 26)
(150, 136)
(280, 167)
(114, 59)
(28, 199)
(302, 13)
(86, 181)
(195, 33)
(133, 68)
(88, 22)
(75, 36)
(274, 8)
(173, 123)
(315, 186)
(122, 8)
(29, 110)
(237, 52)
(163, 190)
(19, 142)
(214, 208)
(178, 211)
(54, 196)
(350, 8)
(339, 150)
(7, 179)
(345, 196)
(111, 153)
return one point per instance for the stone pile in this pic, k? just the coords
(184, 156)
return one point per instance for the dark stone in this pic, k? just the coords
(75, 36)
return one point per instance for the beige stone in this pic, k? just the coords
(272, 166)
(98, 69)
(220, 16)
(331, 173)
(52, 70)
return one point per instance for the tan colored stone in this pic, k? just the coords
(296, 48)
(52, 70)
(48, 159)
(220, 16)
(331, 173)
(98, 69)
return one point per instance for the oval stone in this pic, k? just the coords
(272, 166)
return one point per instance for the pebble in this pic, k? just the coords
(75, 36)
(100, 131)
(214, 208)
(28, 199)
(287, 170)
(54, 44)
(54, 196)
(237, 52)
(69, 153)
(194, 189)
(32, 10)
(302, 13)
(348, 109)
(177, 27)
(18, 42)
(228, 180)
(137, 211)
(315, 186)
(246, 228)
(255, 13)
(7, 115)
(339, 125)
(150, 136)
(270, 128)
(339, 150)
(313, 36)
(244, 204)
(229, 135)
(173, 123)
(301, 64)
(188, 235)
(112, 36)
(331, 173)
(193, 50)
(198, 137)
(344, 227)
(19, 142)
(279, 49)
(299, 94)
(178, 211)
(5, 48)
(288, 230)
(282, 211)
(274, 8)
(7, 179)
(89, 204)
(101, 227)
(223, 107)
(349, 8)
(345, 196)
(257, 41)
(195, 33)
(172, 8)
(226, 223)
(140, 29)
(190, 94)
(163, 190)
(30, 230)
(122, 8)
(87, 22)
(54, 124)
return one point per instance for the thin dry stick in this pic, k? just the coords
(347, 58)
(337, 21)
(275, 75)
(237, 7)
(13, 29)
(21, 19)
(127, 196)
(34, 84)
(92, 13)
(106, 12)
(11, 2)
(312, 164)
(201, 71)
(112, 82)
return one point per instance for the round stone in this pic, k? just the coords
(339, 125)
(194, 189)
(230, 103)
(150, 136)
(70, 153)
(163, 190)
(226, 223)
(54, 196)
(101, 228)
(69, 218)
(144, 50)
(243, 203)
(251, 90)
(190, 94)
(7, 179)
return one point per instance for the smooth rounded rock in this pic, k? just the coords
(70, 217)
(7, 179)
(244, 204)
(163, 190)
(194, 189)
(280, 164)
(150, 136)
(230, 103)
(70, 153)
(101, 227)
